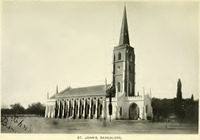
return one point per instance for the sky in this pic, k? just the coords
(45, 44)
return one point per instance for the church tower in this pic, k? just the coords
(124, 62)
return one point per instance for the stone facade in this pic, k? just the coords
(93, 102)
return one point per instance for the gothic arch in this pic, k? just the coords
(134, 111)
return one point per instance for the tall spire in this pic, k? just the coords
(124, 36)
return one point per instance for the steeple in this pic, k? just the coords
(124, 36)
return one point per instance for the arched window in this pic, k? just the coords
(130, 88)
(118, 87)
(119, 56)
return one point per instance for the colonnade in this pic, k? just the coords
(77, 108)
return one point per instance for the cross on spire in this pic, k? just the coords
(124, 36)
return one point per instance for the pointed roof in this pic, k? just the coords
(56, 89)
(124, 36)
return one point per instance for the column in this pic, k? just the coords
(96, 109)
(75, 109)
(67, 115)
(61, 109)
(91, 108)
(72, 108)
(88, 109)
(99, 108)
(83, 108)
(69, 108)
(65, 108)
(104, 108)
(62, 114)
(78, 109)
(48, 112)
(53, 111)
(58, 109)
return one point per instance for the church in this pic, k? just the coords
(116, 100)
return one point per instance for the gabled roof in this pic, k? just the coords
(82, 91)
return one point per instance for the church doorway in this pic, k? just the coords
(134, 112)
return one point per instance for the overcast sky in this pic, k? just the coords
(70, 44)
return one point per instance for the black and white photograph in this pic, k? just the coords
(99, 67)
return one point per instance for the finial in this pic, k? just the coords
(56, 89)
(105, 84)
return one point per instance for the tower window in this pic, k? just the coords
(119, 56)
(130, 88)
(131, 58)
(118, 87)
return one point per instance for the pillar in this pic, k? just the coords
(104, 109)
(52, 111)
(96, 109)
(73, 108)
(83, 108)
(92, 108)
(89, 109)
(63, 109)
(67, 115)
(103, 106)
(58, 109)
(78, 109)
(48, 111)
(75, 103)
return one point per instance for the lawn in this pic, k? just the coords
(86, 126)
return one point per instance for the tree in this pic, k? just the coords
(17, 108)
(36, 108)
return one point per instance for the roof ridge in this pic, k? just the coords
(90, 86)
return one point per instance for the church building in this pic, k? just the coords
(116, 100)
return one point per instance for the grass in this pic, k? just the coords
(86, 126)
